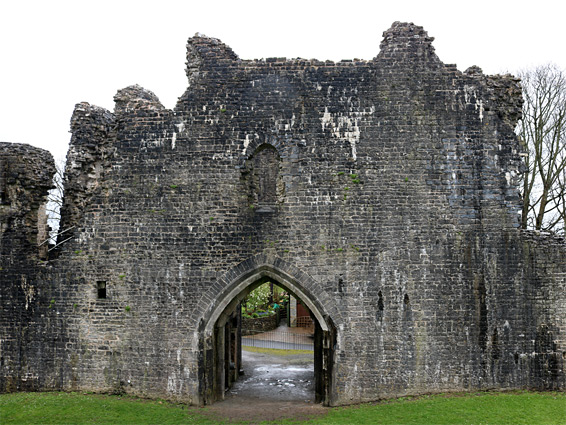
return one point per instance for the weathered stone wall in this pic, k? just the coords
(88, 156)
(25, 177)
(259, 324)
(385, 189)
(541, 291)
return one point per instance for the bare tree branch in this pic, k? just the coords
(55, 201)
(542, 130)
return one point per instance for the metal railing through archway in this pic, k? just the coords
(282, 338)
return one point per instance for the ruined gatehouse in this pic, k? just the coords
(383, 193)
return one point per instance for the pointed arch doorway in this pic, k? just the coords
(220, 339)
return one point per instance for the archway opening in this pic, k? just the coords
(277, 342)
(222, 359)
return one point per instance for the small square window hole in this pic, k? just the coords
(101, 287)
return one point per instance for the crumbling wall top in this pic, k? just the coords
(26, 167)
(407, 39)
(26, 175)
(402, 42)
(203, 51)
(89, 150)
(86, 116)
(136, 97)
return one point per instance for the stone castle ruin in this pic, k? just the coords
(382, 193)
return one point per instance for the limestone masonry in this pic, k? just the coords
(382, 193)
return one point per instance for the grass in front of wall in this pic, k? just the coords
(501, 408)
(476, 408)
(78, 408)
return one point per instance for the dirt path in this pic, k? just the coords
(272, 388)
(253, 410)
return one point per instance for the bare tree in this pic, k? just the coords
(57, 236)
(562, 202)
(543, 132)
(55, 201)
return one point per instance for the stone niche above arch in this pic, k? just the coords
(262, 177)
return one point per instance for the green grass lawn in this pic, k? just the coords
(481, 408)
(277, 352)
(74, 408)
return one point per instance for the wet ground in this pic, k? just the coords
(283, 378)
(272, 387)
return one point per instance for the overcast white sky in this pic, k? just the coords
(54, 54)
